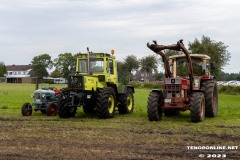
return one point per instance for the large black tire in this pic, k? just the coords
(64, 111)
(197, 107)
(154, 107)
(211, 98)
(171, 112)
(89, 106)
(26, 109)
(51, 109)
(126, 102)
(106, 103)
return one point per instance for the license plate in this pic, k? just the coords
(167, 100)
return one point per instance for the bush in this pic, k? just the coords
(150, 85)
(4, 107)
(234, 90)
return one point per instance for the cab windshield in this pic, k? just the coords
(183, 70)
(96, 65)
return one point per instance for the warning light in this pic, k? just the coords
(112, 52)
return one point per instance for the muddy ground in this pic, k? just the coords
(33, 138)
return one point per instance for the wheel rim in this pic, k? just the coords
(111, 104)
(129, 102)
(52, 110)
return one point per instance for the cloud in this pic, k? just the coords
(56, 26)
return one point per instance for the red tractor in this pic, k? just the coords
(188, 85)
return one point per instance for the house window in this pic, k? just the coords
(142, 75)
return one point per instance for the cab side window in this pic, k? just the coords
(110, 62)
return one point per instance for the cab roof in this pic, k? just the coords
(95, 55)
(196, 56)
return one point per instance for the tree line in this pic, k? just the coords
(216, 50)
(131, 64)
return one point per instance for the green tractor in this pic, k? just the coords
(95, 87)
(44, 100)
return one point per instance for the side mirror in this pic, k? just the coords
(213, 65)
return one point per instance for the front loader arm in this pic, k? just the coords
(176, 47)
(158, 49)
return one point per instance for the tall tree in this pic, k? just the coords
(63, 62)
(216, 50)
(149, 64)
(159, 76)
(40, 65)
(56, 74)
(3, 69)
(131, 63)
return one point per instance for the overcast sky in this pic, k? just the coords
(32, 27)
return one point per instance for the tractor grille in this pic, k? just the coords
(173, 91)
(75, 82)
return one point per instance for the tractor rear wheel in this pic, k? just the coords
(211, 98)
(64, 111)
(154, 108)
(197, 107)
(26, 109)
(51, 109)
(126, 102)
(106, 103)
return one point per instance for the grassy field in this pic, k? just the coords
(122, 137)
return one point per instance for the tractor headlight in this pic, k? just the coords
(169, 95)
(177, 95)
(89, 96)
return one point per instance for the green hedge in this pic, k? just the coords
(229, 90)
(150, 85)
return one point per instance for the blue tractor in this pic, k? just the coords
(44, 100)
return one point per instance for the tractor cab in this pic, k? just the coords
(99, 64)
(179, 67)
(92, 69)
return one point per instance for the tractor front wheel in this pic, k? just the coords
(154, 108)
(51, 109)
(106, 103)
(126, 102)
(64, 111)
(26, 109)
(197, 107)
(211, 97)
